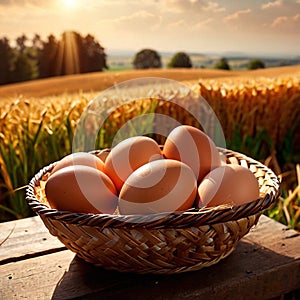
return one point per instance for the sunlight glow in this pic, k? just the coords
(69, 3)
(68, 61)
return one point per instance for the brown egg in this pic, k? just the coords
(129, 155)
(230, 184)
(159, 186)
(193, 147)
(81, 189)
(79, 158)
(103, 154)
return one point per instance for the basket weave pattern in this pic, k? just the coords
(160, 243)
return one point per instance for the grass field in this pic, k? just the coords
(258, 110)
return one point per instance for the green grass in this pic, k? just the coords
(118, 68)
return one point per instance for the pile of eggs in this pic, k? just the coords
(139, 177)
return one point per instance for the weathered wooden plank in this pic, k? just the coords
(276, 237)
(61, 276)
(27, 237)
(252, 271)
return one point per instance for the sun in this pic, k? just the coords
(69, 3)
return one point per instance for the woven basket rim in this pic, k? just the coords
(192, 217)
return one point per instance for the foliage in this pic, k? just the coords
(180, 60)
(222, 64)
(94, 55)
(287, 210)
(6, 54)
(24, 68)
(257, 147)
(147, 59)
(71, 54)
(256, 64)
(32, 135)
(47, 52)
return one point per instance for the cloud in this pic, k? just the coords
(176, 25)
(137, 21)
(182, 6)
(23, 2)
(12, 6)
(296, 17)
(137, 15)
(272, 4)
(287, 22)
(279, 20)
(203, 23)
(237, 14)
(5, 2)
(13, 11)
(214, 7)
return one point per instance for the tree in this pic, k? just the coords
(80, 54)
(222, 64)
(21, 41)
(24, 61)
(71, 54)
(94, 57)
(180, 60)
(23, 69)
(146, 59)
(37, 42)
(256, 64)
(37, 46)
(6, 56)
(47, 57)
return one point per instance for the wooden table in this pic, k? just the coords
(35, 265)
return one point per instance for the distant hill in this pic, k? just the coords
(102, 80)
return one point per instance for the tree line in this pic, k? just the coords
(72, 54)
(149, 58)
(37, 58)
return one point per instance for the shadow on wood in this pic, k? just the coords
(250, 272)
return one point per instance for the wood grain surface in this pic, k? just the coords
(34, 265)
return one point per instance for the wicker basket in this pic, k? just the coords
(159, 243)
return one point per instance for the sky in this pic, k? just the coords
(263, 27)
